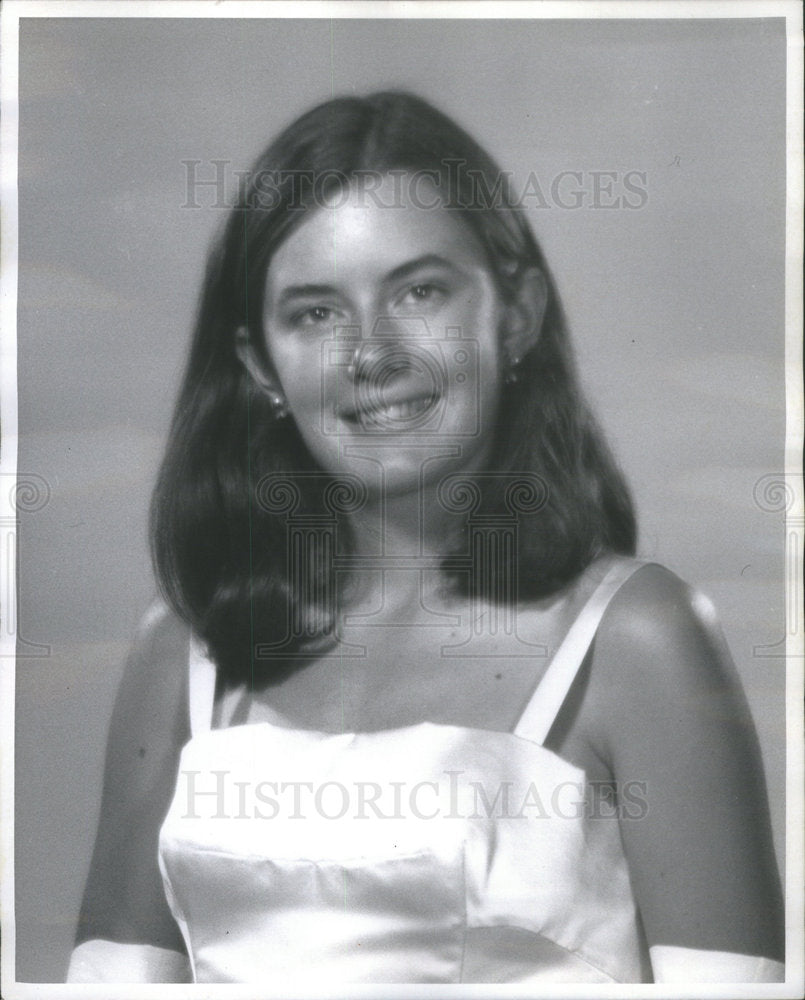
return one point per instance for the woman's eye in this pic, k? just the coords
(314, 316)
(423, 293)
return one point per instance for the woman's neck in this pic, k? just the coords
(409, 527)
(399, 544)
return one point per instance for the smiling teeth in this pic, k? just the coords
(397, 411)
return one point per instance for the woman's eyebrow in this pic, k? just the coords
(411, 266)
(291, 292)
(305, 291)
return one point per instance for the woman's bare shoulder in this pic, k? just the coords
(666, 709)
(656, 612)
(162, 629)
(150, 719)
(124, 900)
(659, 654)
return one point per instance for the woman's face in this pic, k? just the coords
(382, 323)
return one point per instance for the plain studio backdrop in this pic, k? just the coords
(675, 305)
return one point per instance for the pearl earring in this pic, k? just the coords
(264, 382)
(511, 375)
(279, 404)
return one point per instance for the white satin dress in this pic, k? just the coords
(425, 854)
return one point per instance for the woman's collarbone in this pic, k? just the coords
(382, 677)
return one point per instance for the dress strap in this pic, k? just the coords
(201, 687)
(541, 711)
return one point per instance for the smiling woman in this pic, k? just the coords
(363, 345)
(443, 726)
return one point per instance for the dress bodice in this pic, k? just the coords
(423, 854)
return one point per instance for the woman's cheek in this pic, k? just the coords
(300, 373)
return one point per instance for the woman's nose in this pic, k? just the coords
(374, 361)
(392, 347)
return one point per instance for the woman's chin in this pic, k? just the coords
(394, 469)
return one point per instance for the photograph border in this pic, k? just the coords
(790, 486)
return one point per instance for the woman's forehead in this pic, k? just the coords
(374, 228)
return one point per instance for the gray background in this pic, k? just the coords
(676, 310)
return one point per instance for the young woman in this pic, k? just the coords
(416, 713)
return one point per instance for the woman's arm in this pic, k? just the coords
(126, 932)
(672, 715)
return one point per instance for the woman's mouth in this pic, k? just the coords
(380, 415)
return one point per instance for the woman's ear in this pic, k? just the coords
(258, 374)
(246, 356)
(524, 315)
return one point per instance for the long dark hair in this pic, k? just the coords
(235, 479)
